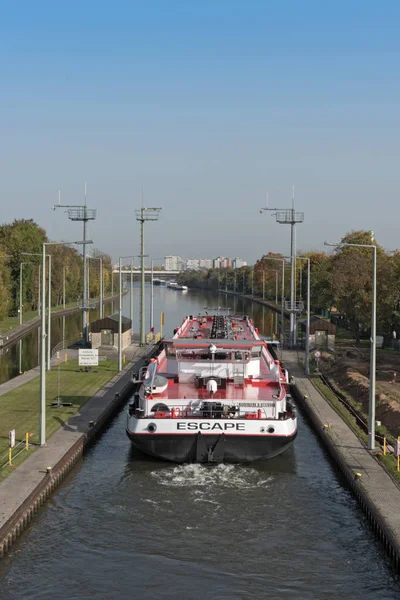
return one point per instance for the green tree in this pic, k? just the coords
(22, 235)
(349, 279)
(5, 283)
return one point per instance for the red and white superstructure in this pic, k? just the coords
(213, 394)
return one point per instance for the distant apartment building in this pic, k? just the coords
(238, 262)
(199, 263)
(173, 263)
(222, 262)
(226, 263)
(193, 263)
(205, 263)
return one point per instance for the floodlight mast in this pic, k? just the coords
(144, 214)
(80, 212)
(288, 216)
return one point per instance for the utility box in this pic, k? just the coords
(322, 332)
(104, 332)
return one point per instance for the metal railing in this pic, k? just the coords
(24, 444)
(64, 345)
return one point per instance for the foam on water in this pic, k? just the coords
(198, 477)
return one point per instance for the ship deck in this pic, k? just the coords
(250, 390)
(200, 327)
(236, 339)
(258, 389)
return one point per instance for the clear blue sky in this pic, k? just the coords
(207, 106)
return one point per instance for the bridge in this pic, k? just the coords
(158, 274)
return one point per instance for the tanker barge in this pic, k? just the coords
(213, 394)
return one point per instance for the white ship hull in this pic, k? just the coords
(213, 440)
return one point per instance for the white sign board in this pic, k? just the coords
(88, 357)
(317, 354)
(11, 438)
(379, 341)
(396, 448)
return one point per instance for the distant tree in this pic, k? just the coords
(264, 271)
(95, 273)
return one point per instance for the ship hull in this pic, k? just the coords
(208, 448)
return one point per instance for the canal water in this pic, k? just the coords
(24, 355)
(123, 526)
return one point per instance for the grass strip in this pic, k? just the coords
(389, 462)
(19, 408)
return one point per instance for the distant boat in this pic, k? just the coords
(173, 285)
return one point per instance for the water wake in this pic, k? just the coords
(198, 476)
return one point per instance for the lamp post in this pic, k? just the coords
(152, 296)
(48, 363)
(131, 298)
(372, 373)
(152, 292)
(63, 288)
(120, 319)
(143, 215)
(21, 308)
(88, 282)
(101, 281)
(49, 320)
(42, 415)
(120, 308)
(307, 345)
(283, 288)
(39, 299)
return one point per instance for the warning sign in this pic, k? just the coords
(88, 357)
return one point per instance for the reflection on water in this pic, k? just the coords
(24, 355)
